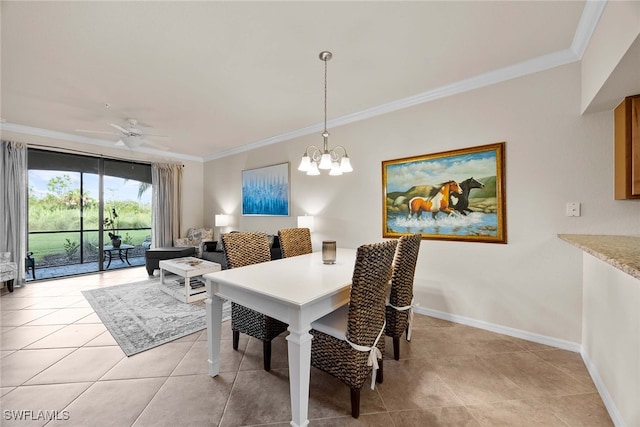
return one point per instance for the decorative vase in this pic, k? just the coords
(116, 242)
(329, 251)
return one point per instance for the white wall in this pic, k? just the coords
(553, 156)
(611, 337)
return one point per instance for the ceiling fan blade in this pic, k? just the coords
(94, 131)
(120, 128)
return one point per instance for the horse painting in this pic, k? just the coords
(461, 203)
(438, 200)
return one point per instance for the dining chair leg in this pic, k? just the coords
(236, 339)
(379, 372)
(396, 348)
(355, 402)
(266, 355)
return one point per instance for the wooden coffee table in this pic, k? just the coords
(187, 268)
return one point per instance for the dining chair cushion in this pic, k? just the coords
(353, 358)
(334, 323)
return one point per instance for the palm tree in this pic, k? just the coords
(144, 186)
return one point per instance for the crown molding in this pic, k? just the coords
(28, 130)
(268, 141)
(591, 14)
(524, 68)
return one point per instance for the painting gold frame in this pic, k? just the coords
(452, 195)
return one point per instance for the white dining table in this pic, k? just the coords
(297, 291)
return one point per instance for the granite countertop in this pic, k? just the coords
(622, 252)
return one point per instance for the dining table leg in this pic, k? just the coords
(213, 308)
(299, 349)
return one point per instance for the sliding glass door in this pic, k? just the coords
(75, 201)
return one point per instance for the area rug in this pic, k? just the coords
(140, 316)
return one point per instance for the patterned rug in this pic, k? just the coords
(140, 316)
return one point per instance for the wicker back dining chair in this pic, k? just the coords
(295, 241)
(400, 305)
(349, 342)
(242, 249)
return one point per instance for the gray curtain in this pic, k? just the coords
(166, 179)
(13, 203)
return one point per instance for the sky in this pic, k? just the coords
(403, 176)
(114, 188)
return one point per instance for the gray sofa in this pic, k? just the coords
(213, 251)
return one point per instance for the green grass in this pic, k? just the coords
(51, 213)
(53, 243)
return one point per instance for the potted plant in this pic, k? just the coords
(112, 221)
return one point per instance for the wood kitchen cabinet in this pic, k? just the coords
(627, 149)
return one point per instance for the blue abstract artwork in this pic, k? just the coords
(265, 191)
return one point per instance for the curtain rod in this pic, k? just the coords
(72, 150)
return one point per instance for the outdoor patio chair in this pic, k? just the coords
(30, 263)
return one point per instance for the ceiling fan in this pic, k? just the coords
(130, 136)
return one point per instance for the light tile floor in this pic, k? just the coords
(56, 355)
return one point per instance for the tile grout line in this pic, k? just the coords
(233, 385)
(166, 379)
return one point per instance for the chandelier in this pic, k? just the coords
(335, 160)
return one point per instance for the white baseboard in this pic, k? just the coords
(541, 339)
(602, 390)
(504, 330)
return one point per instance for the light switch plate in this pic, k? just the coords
(573, 209)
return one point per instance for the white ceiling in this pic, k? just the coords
(217, 77)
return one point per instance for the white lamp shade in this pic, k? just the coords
(305, 163)
(335, 169)
(222, 220)
(345, 165)
(325, 161)
(306, 221)
(313, 169)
